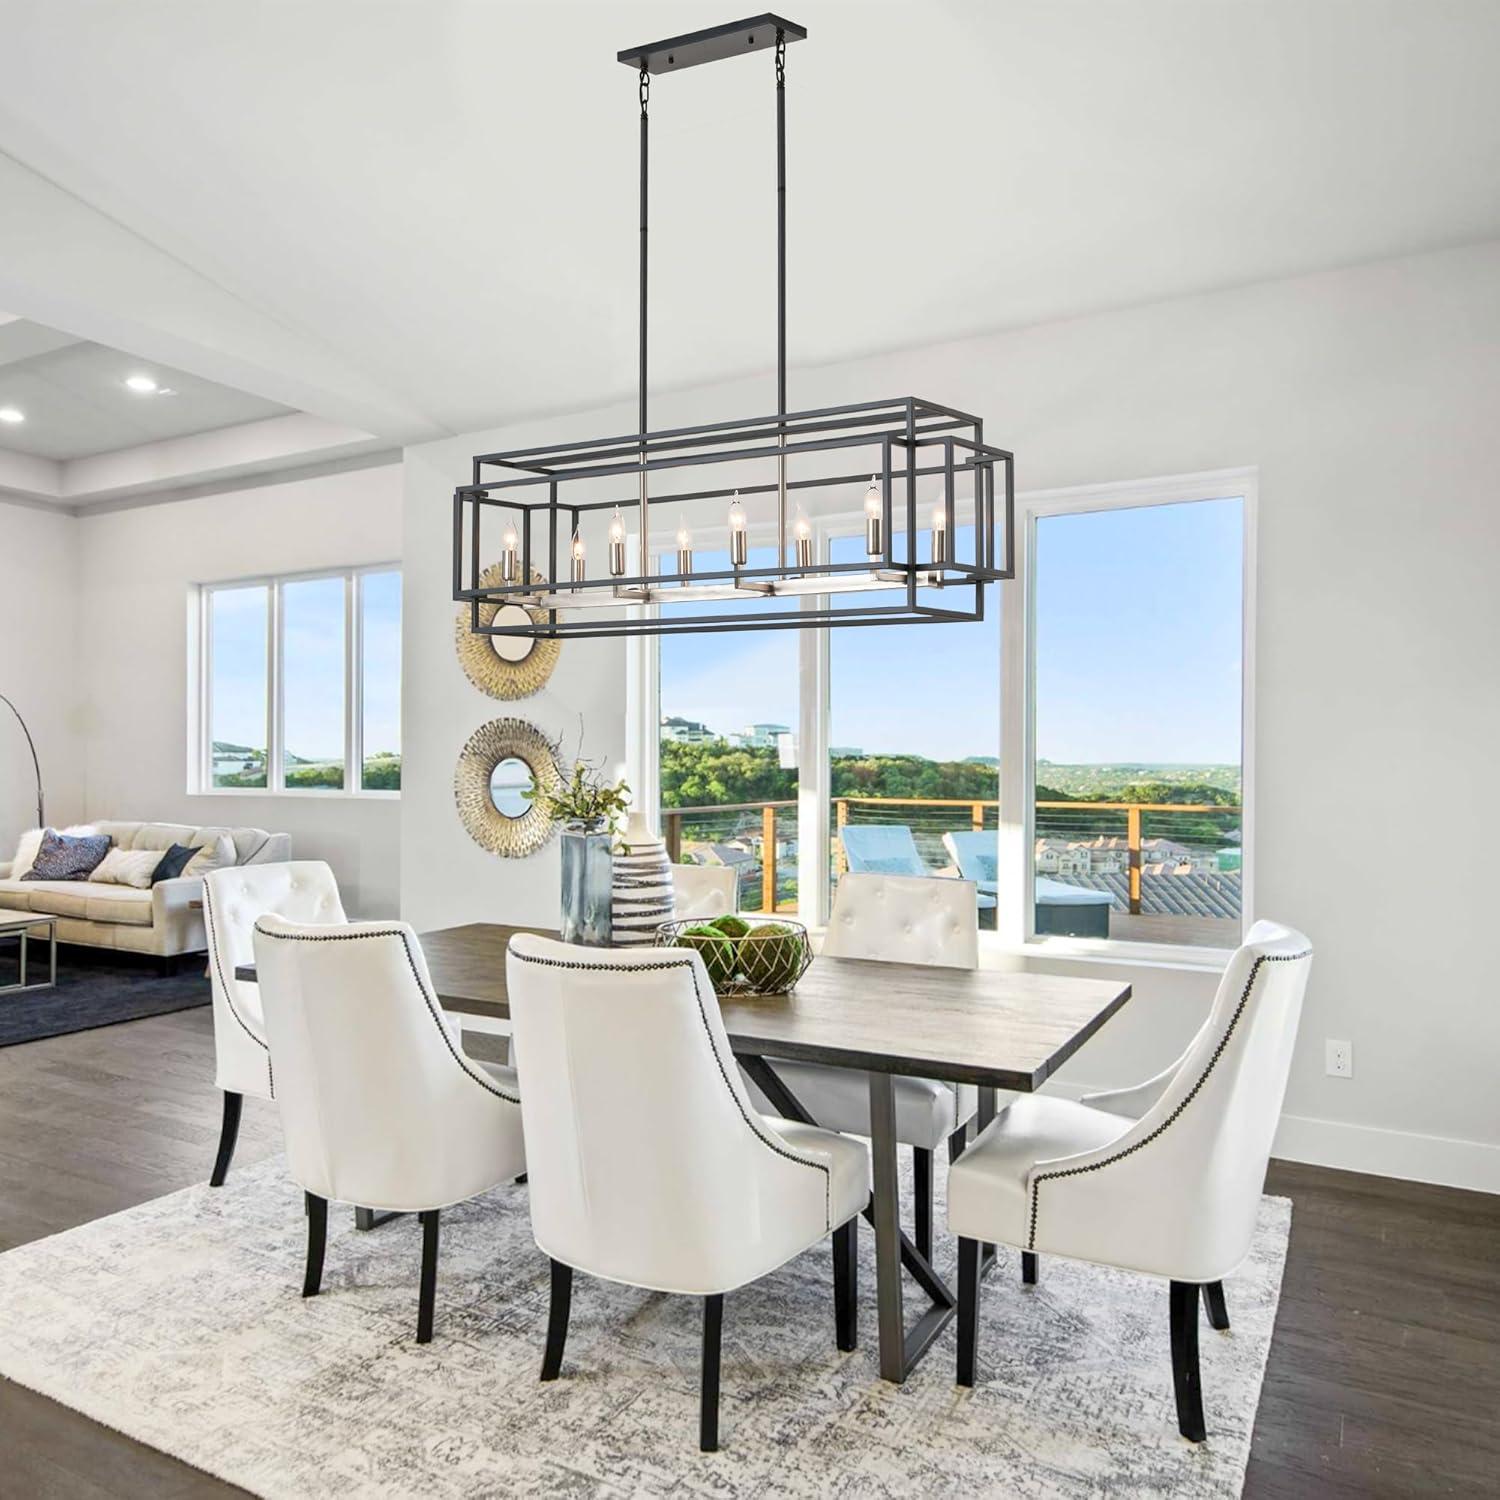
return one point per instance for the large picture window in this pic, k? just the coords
(1079, 754)
(300, 684)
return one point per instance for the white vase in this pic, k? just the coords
(642, 885)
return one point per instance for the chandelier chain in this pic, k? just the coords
(645, 89)
(780, 59)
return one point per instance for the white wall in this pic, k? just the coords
(39, 595)
(1367, 398)
(138, 567)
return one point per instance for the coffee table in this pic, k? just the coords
(21, 924)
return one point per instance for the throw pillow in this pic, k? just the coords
(172, 863)
(26, 848)
(213, 855)
(64, 858)
(133, 867)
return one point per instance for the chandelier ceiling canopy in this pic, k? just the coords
(529, 515)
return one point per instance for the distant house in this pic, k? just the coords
(759, 736)
(685, 731)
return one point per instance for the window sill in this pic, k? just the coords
(320, 794)
(1114, 955)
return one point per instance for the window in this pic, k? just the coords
(728, 752)
(238, 686)
(1137, 791)
(1079, 754)
(301, 684)
(913, 741)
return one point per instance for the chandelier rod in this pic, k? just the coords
(645, 558)
(781, 288)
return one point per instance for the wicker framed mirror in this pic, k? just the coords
(506, 667)
(500, 762)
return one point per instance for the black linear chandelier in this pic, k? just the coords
(538, 497)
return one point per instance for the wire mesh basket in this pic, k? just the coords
(744, 955)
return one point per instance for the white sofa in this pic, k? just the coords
(165, 920)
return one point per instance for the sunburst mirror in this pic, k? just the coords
(501, 762)
(504, 666)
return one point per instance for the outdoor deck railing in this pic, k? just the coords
(1064, 820)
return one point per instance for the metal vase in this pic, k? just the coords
(586, 880)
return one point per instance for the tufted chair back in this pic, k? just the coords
(303, 890)
(648, 1163)
(905, 919)
(379, 1104)
(704, 891)
(1177, 1193)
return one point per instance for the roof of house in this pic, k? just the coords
(1167, 894)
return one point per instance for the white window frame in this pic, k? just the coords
(1015, 928)
(1015, 932)
(200, 779)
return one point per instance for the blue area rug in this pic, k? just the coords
(93, 989)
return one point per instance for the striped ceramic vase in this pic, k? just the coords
(642, 893)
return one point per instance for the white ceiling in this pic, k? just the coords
(420, 218)
(76, 403)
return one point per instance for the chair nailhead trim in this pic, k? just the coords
(779, 1147)
(1239, 1010)
(434, 1010)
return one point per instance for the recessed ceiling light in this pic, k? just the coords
(142, 383)
(11, 414)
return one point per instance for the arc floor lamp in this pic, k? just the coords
(36, 765)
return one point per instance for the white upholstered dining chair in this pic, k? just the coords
(380, 1106)
(895, 919)
(303, 890)
(1165, 1178)
(704, 891)
(648, 1163)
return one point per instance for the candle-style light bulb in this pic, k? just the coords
(802, 536)
(874, 540)
(616, 544)
(684, 550)
(940, 533)
(578, 559)
(508, 554)
(739, 542)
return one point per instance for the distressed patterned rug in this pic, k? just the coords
(180, 1323)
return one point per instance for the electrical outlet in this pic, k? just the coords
(1340, 1059)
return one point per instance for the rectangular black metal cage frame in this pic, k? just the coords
(932, 439)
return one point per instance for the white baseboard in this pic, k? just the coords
(1389, 1153)
(1369, 1148)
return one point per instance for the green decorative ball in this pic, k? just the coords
(731, 926)
(716, 951)
(773, 957)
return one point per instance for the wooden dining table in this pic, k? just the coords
(988, 1027)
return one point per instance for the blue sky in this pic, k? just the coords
(1138, 653)
(313, 622)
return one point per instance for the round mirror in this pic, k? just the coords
(511, 648)
(508, 781)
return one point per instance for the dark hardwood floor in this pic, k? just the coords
(1384, 1376)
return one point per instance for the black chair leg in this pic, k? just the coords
(428, 1294)
(708, 1410)
(921, 1172)
(846, 1285)
(968, 1308)
(1184, 1298)
(957, 1141)
(317, 1241)
(1218, 1309)
(1028, 1267)
(229, 1133)
(557, 1319)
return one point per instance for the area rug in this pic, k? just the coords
(180, 1323)
(91, 990)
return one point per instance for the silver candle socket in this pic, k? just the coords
(616, 559)
(804, 551)
(874, 543)
(739, 546)
(940, 544)
(508, 564)
(684, 560)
